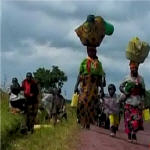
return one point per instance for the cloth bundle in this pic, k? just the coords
(92, 32)
(129, 86)
(137, 50)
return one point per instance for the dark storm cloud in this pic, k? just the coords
(41, 34)
(113, 10)
(47, 21)
(18, 25)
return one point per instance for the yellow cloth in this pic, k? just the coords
(74, 101)
(146, 114)
(114, 120)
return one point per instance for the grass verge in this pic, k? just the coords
(63, 136)
(9, 123)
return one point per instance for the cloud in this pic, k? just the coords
(41, 34)
(49, 21)
(20, 25)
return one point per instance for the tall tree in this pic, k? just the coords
(50, 78)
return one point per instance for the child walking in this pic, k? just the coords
(112, 108)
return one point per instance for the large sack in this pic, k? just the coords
(14, 97)
(137, 50)
(17, 102)
(92, 32)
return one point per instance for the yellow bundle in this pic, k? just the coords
(74, 100)
(137, 50)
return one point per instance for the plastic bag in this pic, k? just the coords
(137, 50)
(74, 101)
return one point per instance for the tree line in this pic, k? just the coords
(50, 78)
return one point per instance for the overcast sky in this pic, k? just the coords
(41, 34)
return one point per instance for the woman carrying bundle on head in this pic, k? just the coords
(90, 79)
(133, 88)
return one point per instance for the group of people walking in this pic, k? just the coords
(26, 100)
(92, 82)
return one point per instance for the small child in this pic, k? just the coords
(112, 108)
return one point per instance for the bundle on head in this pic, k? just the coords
(137, 50)
(93, 30)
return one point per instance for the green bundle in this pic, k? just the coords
(129, 86)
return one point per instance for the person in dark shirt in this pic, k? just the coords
(15, 86)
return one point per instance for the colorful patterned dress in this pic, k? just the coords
(91, 72)
(133, 110)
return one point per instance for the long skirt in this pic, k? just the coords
(133, 119)
(88, 99)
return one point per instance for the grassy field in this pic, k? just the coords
(63, 136)
(9, 123)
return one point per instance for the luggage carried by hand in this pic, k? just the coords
(74, 100)
(93, 30)
(146, 114)
(137, 50)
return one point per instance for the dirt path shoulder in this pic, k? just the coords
(98, 139)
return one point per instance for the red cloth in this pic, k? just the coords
(133, 119)
(27, 89)
(133, 65)
(89, 61)
(88, 65)
(137, 89)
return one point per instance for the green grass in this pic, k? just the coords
(63, 136)
(9, 123)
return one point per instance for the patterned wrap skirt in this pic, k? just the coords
(88, 99)
(133, 118)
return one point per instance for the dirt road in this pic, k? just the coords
(98, 139)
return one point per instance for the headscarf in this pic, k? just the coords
(133, 64)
